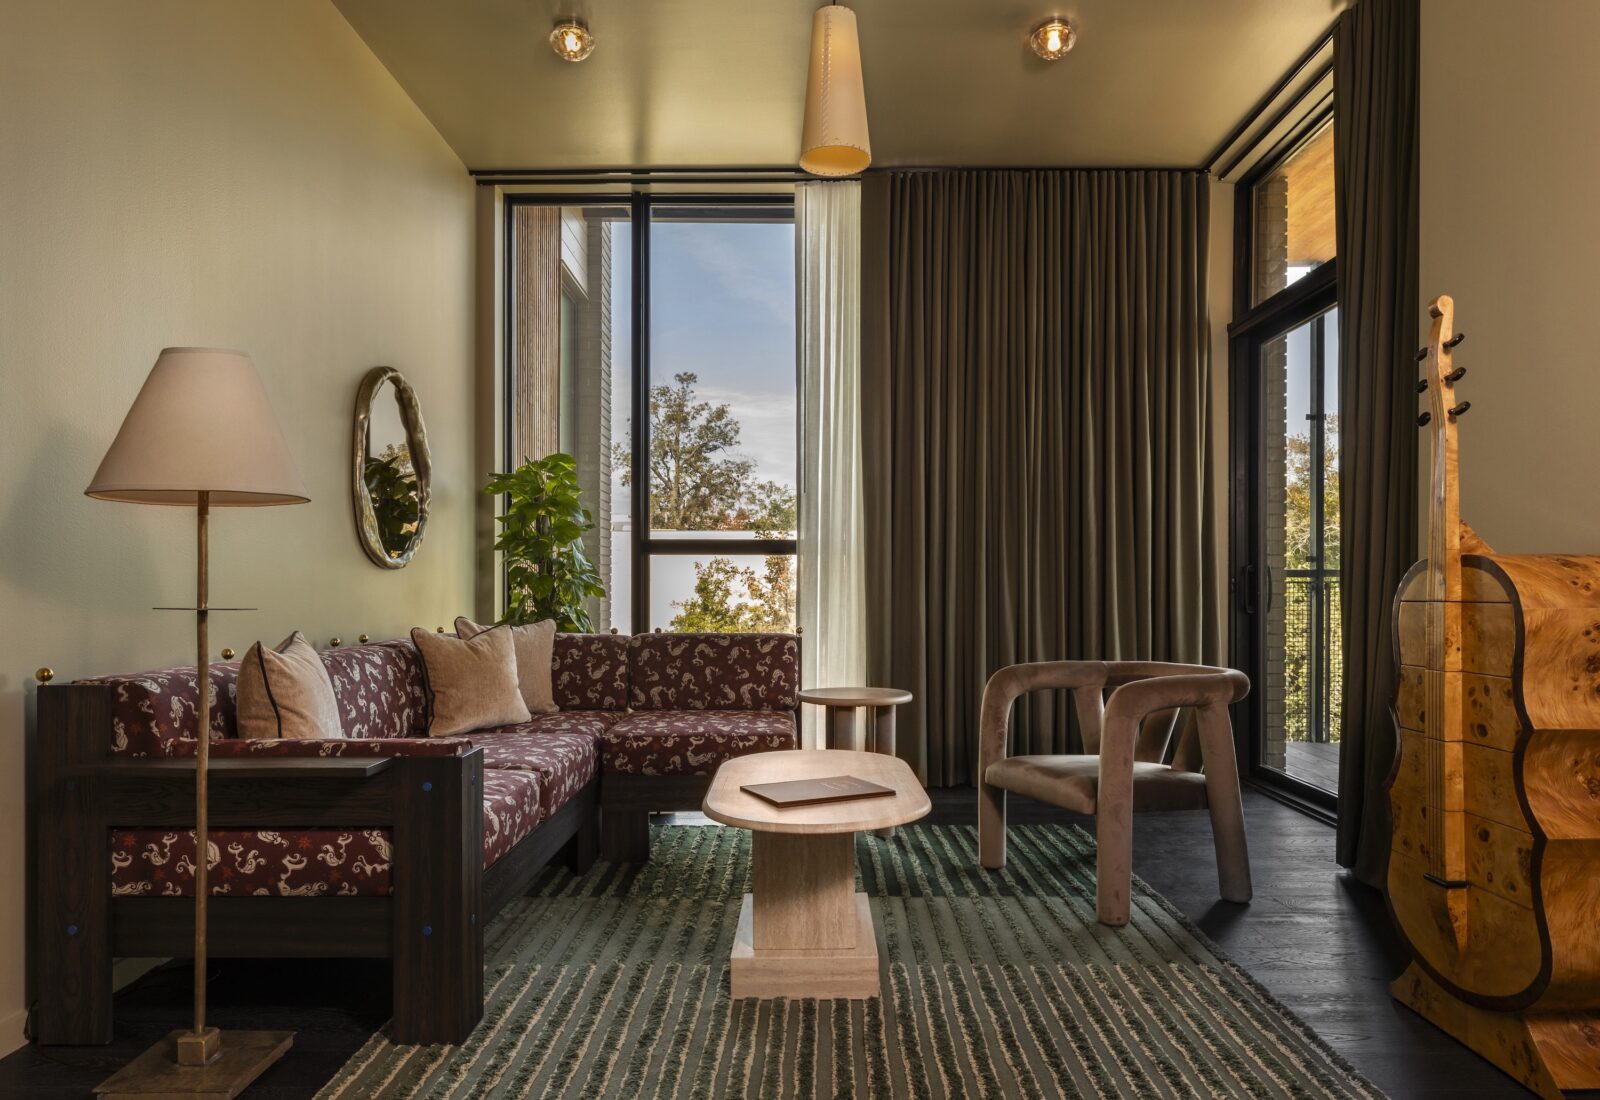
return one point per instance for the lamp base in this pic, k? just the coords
(199, 1048)
(158, 1075)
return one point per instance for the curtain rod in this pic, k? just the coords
(550, 177)
(1267, 100)
(602, 176)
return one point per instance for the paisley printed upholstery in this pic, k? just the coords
(714, 671)
(329, 746)
(590, 672)
(510, 810)
(150, 711)
(698, 699)
(298, 863)
(559, 748)
(379, 688)
(691, 742)
(303, 862)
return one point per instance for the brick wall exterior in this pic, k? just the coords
(1270, 275)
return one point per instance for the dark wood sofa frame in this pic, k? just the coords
(431, 926)
(627, 801)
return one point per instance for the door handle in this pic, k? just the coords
(1247, 593)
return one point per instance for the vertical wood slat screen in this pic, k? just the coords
(536, 331)
(1037, 438)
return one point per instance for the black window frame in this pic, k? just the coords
(1256, 324)
(641, 206)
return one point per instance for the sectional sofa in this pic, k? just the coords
(381, 842)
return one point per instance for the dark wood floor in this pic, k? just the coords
(1317, 940)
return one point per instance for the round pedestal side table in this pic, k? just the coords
(840, 726)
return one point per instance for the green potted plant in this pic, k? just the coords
(392, 488)
(548, 574)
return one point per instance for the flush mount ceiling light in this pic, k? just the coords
(1052, 39)
(833, 141)
(572, 40)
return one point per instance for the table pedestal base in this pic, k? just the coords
(845, 973)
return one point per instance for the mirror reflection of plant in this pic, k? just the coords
(549, 575)
(392, 488)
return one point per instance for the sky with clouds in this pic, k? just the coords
(722, 306)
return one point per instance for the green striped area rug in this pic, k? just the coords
(995, 984)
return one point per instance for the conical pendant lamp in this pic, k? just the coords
(834, 139)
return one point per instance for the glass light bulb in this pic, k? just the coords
(571, 40)
(1053, 39)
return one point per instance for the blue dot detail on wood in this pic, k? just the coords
(72, 929)
(427, 787)
(427, 929)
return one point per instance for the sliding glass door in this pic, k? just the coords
(1302, 673)
(1284, 539)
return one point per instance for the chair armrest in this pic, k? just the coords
(1209, 692)
(1085, 679)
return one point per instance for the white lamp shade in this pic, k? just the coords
(201, 423)
(834, 140)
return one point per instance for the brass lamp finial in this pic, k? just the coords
(45, 675)
(227, 653)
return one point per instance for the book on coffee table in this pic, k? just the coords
(807, 792)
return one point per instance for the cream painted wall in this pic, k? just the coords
(1510, 229)
(244, 175)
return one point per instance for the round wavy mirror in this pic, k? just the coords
(392, 470)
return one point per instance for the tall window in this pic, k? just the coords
(693, 490)
(1286, 450)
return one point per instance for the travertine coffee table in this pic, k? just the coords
(804, 931)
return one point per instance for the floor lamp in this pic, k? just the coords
(200, 435)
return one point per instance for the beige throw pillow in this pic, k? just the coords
(471, 682)
(535, 647)
(286, 692)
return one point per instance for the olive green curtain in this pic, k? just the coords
(1375, 76)
(1037, 437)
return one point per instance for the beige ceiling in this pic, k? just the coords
(949, 82)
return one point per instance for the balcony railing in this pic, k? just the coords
(1313, 655)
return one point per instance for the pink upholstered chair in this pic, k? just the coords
(1125, 738)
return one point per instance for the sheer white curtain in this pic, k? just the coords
(832, 569)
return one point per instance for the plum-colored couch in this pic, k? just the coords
(382, 842)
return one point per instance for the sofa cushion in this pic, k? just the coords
(282, 863)
(714, 671)
(284, 691)
(559, 748)
(304, 862)
(691, 742)
(590, 672)
(471, 683)
(511, 802)
(243, 748)
(379, 688)
(151, 711)
(534, 644)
